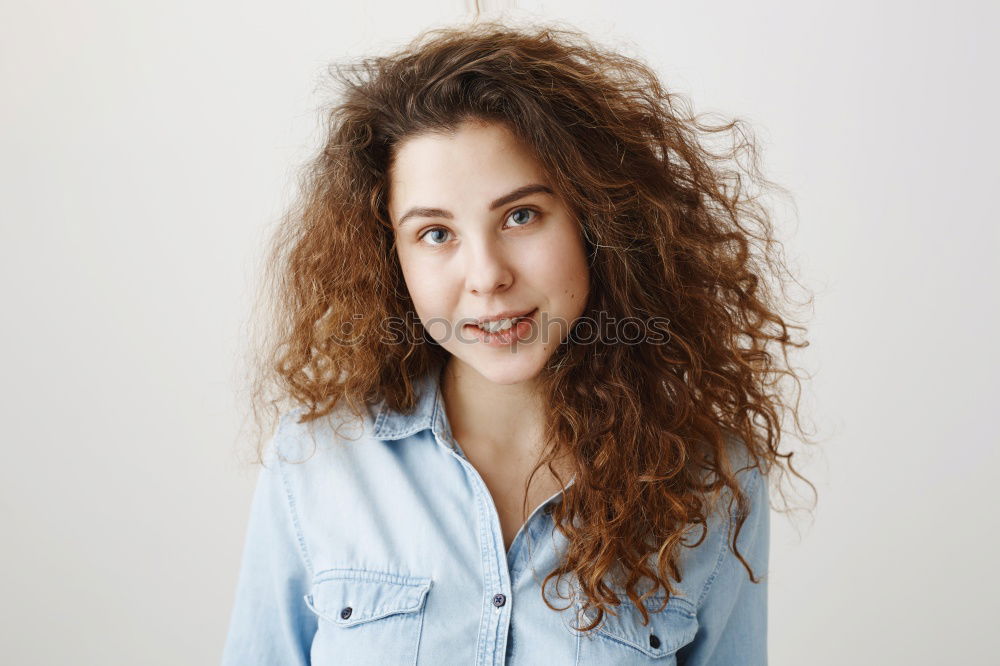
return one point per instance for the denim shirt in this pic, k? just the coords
(384, 547)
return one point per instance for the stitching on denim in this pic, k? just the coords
(405, 431)
(384, 611)
(751, 489)
(485, 563)
(578, 644)
(416, 589)
(640, 648)
(688, 609)
(606, 628)
(393, 433)
(410, 427)
(490, 566)
(290, 503)
(500, 571)
(379, 419)
(420, 632)
(438, 419)
(299, 537)
(434, 412)
(380, 613)
(371, 576)
(397, 434)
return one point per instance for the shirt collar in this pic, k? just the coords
(428, 412)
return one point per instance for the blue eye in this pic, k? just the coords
(521, 217)
(434, 230)
(523, 210)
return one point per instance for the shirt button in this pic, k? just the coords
(499, 600)
(654, 641)
(346, 613)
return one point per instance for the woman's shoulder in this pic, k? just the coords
(299, 440)
(749, 471)
(714, 553)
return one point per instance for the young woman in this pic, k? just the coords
(526, 328)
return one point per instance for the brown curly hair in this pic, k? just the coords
(673, 229)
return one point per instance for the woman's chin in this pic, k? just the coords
(514, 367)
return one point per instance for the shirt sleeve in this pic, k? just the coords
(732, 616)
(270, 623)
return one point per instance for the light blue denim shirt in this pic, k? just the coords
(384, 547)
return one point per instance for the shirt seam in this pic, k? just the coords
(751, 489)
(290, 505)
(377, 427)
(382, 431)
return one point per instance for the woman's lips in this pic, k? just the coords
(515, 333)
(504, 315)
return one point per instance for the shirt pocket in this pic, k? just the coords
(622, 638)
(367, 616)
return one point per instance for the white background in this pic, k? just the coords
(146, 149)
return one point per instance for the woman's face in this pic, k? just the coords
(480, 233)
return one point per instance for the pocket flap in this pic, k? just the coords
(667, 631)
(348, 597)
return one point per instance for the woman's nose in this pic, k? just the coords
(487, 268)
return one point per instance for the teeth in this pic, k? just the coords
(496, 326)
(500, 324)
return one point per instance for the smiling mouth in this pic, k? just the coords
(501, 325)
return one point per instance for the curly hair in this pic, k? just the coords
(673, 229)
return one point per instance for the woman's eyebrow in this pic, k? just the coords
(519, 193)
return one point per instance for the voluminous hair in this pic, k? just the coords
(673, 229)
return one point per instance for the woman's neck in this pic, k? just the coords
(495, 418)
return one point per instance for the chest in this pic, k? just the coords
(407, 566)
(507, 477)
(509, 499)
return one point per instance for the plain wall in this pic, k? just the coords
(147, 149)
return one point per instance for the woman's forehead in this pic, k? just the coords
(473, 165)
